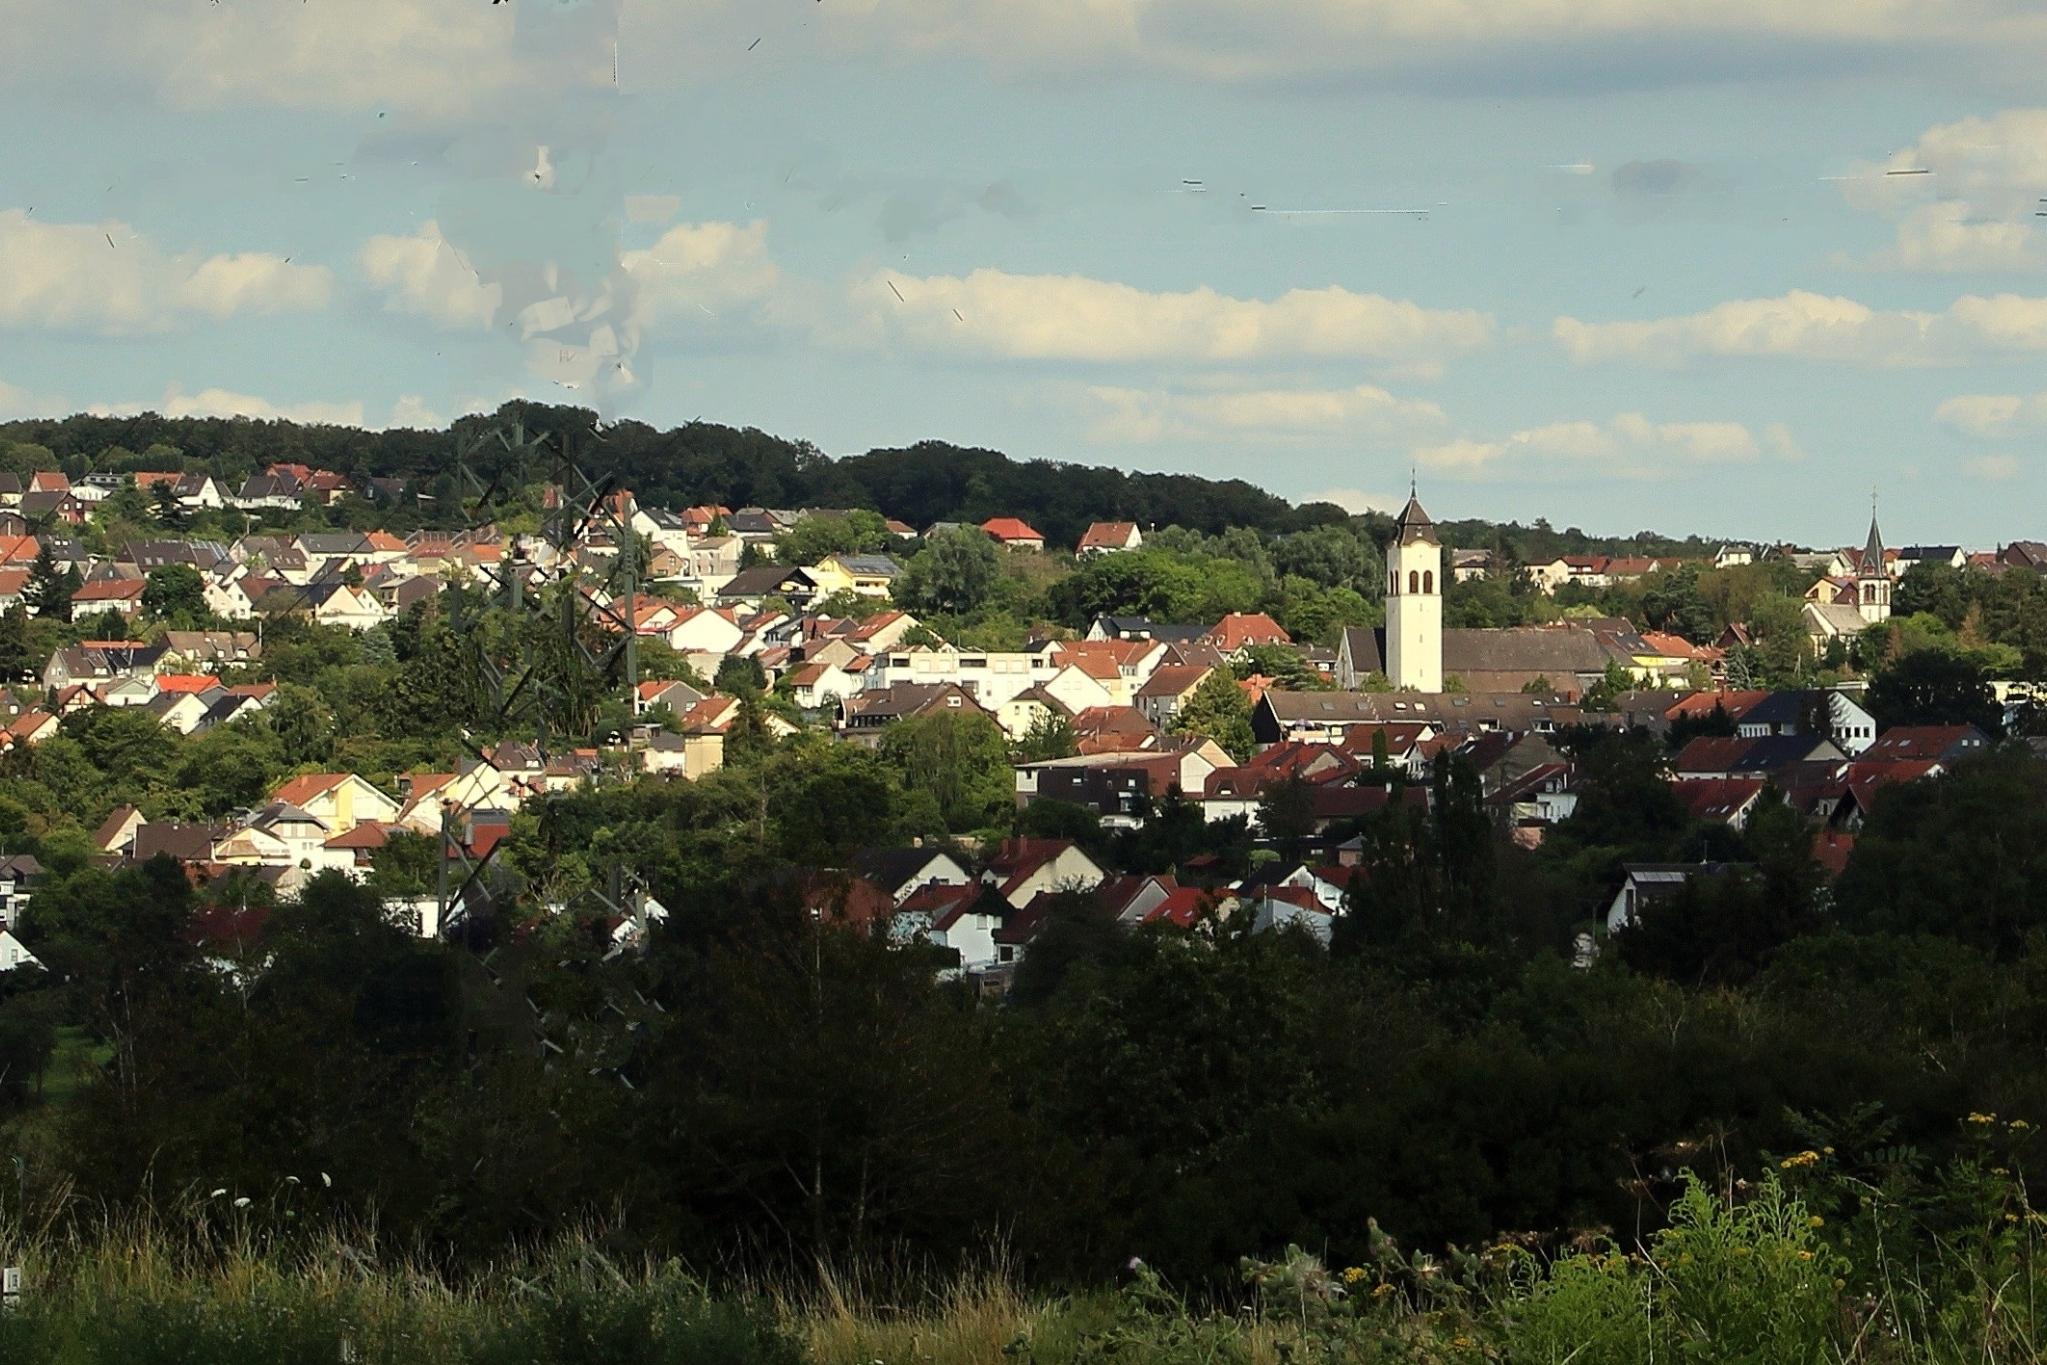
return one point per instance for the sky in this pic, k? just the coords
(1717, 266)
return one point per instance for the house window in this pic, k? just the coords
(1006, 954)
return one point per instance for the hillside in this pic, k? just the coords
(703, 462)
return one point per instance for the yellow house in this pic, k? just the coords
(867, 575)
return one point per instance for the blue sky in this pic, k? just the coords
(1657, 271)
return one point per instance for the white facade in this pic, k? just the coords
(990, 679)
(1414, 603)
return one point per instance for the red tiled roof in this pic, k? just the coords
(1242, 628)
(1108, 535)
(185, 682)
(1010, 528)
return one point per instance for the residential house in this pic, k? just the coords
(963, 918)
(99, 660)
(122, 596)
(866, 713)
(1022, 868)
(1240, 631)
(1721, 800)
(990, 677)
(1142, 628)
(340, 801)
(1946, 745)
(1843, 720)
(814, 686)
(335, 603)
(902, 872)
(1167, 690)
(690, 754)
(1109, 537)
(1745, 756)
(14, 954)
(1014, 534)
(865, 575)
(19, 875)
(1648, 884)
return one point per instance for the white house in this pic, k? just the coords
(14, 953)
(340, 801)
(1022, 868)
(990, 678)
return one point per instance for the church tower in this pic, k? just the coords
(1872, 578)
(1414, 601)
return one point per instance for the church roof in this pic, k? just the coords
(1873, 553)
(1413, 525)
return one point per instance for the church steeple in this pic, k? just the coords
(1872, 575)
(1413, 526)
(1414, 601)
(1873, 552)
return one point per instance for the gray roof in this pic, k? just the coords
(1560, 653)
(1413, 525)
(877, 565)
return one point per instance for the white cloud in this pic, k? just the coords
(1992, 415)
(412, 411)
(1143, 416)
(109, 279)
(424, 276)
(1966, 204)
(425, 55)
(1071, 317)
(2001, 159)
(1357, 500)
(652, 208)
(1810, 326)
(216, 402)
(1993, 468)
(1628, 444)
(702, 268)
(409, 411)
(1267, 40)
(16, 401)
(1949, 237)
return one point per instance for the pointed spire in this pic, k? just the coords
(1413, 524)
(1873, 552)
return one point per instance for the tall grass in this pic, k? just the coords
(1751, 1280)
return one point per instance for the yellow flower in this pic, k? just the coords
(1381, 1291)
(1980, 1119)
(1805, 1255)
(1352, 1274)
(2018, 1125)
(1800, 1159)
(1828, 1150)
(1999, 1170)
(1461, 1343)
(1815, 1222)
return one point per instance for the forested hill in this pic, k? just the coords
(703, 462)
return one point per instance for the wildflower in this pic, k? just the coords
(2018, 1125)
(243, 1202)
(1805, 1255)
(2011, 1218)
(1380, 1291)
(1352, 1274)
(2000, 1170)
(1981, 1119)
(1840, 1283)
(1815, 1222)
(1799, 1160)
(1461, 1343)
(1828, 1150)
